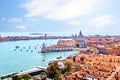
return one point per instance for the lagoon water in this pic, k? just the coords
(16, 60)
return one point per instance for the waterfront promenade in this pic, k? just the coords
(33, 71)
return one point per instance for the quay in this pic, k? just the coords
(32, 72)
(8, 75)
(66, 45)
(62, 45)
(56, 48)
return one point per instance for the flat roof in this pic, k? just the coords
(38, 68)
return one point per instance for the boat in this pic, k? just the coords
(50, 62)
(43, 60)
(27, 50)
(39, 52)
(31, 50)
(29, 47)
(35, 47)
(59, 57)
(14, 49)
(17, 46)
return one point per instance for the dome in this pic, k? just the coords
(80, 35)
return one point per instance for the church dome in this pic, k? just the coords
(80, 35)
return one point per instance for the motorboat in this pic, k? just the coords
(59, 57)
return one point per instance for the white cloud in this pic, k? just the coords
(101, 21)
(3, 19)
(31, 19)
(75, 22)
(14, 20)
(73, 9)
(21, 27)
(39, 7)
(62, 10)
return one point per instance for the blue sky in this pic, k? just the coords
(90, 16)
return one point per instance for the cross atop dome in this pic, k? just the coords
(80, 34)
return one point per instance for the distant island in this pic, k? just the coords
(41, 36)
(36, 33)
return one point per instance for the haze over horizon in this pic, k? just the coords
(91, 16)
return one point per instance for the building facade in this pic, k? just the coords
(80, 41)
(69, 43)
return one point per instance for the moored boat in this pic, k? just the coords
(59, 57)
(17, 46)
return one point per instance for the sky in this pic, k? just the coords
(70, 16)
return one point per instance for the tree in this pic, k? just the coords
(77, 67)
(26, 76)
(17, 77)
(35, 78)
(43, 75)
(68, 66)
(53, 70)
(57, 75)
(22, 77)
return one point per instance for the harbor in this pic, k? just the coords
(17, 60)
(23, 55)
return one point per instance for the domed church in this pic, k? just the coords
(80, 39)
